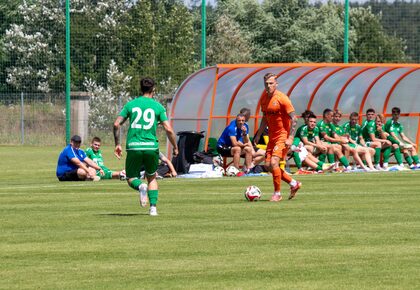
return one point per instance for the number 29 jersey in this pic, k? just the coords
(144, 115)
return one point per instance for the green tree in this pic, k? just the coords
(399, 18)
(228, 44)
(33, 46)
(316, 36)
(96, 38)
(372, 43)
(104, 101)
(160, 35)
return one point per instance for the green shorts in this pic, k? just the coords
(137, 159)
(107, 173)
(352, 145)
(296, 141)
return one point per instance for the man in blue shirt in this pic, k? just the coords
(74, 165)
(234, 142)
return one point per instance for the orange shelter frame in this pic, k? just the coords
(211, 97)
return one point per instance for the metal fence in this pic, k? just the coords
(32, 119)
(114, 43)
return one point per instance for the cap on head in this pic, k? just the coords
(76, 138)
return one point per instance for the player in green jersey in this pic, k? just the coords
(354, 132)
(144, 115)
(396, 131)
(297, 139)
(387, 146)
(347, 144)
(309, 136)
(334, 144)
(390, 146)
(369, 140)
(94, 152)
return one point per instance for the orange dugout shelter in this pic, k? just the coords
(211, 97)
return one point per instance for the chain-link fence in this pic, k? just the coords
(114, 43)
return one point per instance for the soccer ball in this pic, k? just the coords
(232, 171)
(252, 193)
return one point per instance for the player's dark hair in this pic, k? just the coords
(269, 75)
(307, 113)
(354, 114)
(370, 110)
(396, 110)
(96, 139)
(147, 85)
(240, 115)
(326, 111)
(245, 111)
(311, 116)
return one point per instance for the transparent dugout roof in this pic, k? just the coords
(211, 97)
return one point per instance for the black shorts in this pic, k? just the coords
(70, 176)
(224, 150)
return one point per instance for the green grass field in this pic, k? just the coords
(343, 231)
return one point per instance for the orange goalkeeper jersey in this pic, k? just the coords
(276, 110)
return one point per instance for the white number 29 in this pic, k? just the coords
(148, 118)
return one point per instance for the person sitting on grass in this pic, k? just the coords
(166, 168)
(94, 152)
(74, 165)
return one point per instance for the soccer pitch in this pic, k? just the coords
(343, 231)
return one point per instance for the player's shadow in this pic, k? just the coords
(122, 214)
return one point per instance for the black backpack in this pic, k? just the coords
(203, 157)
(188, 144)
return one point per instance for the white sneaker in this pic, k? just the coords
(378, 167)
(328, 166)
(143, 194)
(347, 169)
(153, 211)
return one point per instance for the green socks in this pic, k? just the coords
(387, 153)
(377, 156)
(135, 184)
(344, 161)
(153, 196)
(408, 159)
(398, 156)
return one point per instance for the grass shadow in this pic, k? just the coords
(122, 214)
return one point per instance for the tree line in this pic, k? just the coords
(162, 38)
